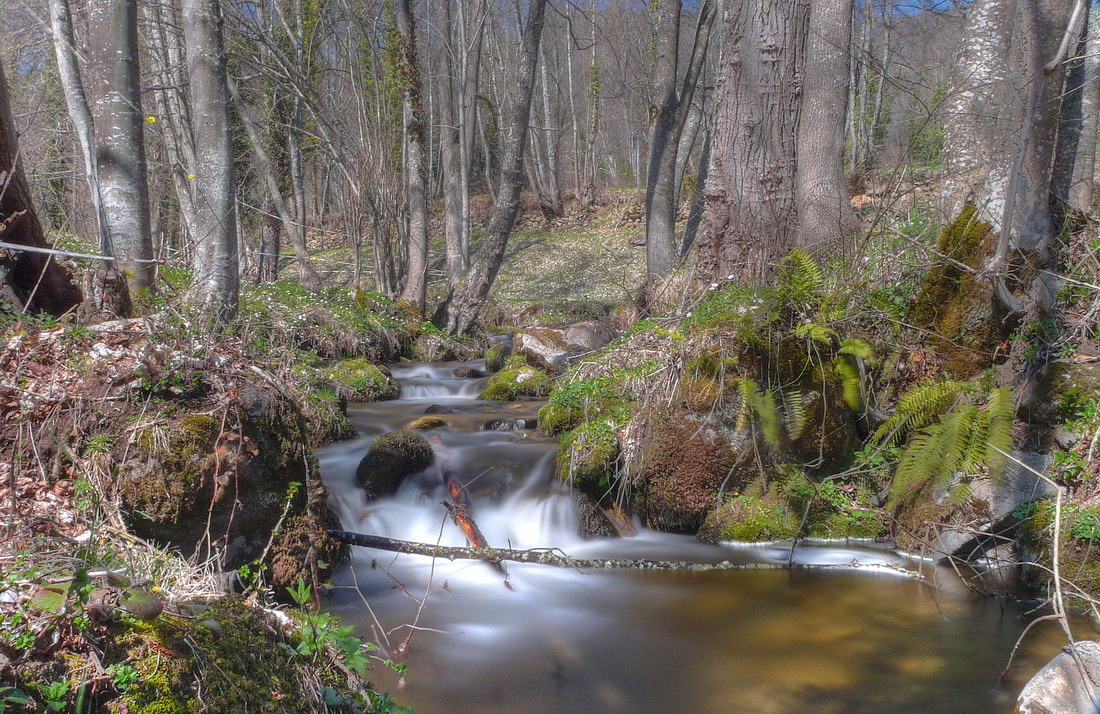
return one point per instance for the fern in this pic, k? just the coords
(962, 442)
(918, 408)
(847, 364)
(752, 403)
(816, 332)
(795, 402)
(801, 281)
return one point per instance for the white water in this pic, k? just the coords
(544, 639)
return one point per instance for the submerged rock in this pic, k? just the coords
(425, 423)
(1060, 688)
(503, 424)
(438, 409)
(465, 372)
(390, 459)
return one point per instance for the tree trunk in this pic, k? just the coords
(450, 149)
(311, 281)
(1075, 160)
(76, 100)
(824, 211)
(749, 218)
(550, 197)
(120, 149)
(216, 251)
(695, 213)
(662, 193)
(37, 280)
(471, 293)
(271, 226)
(412, 111)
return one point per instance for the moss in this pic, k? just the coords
(602, 397)
(390, 459)
(425, 423)
(587, 455)
(495, 356)
(185, 453)
(516, 383)
(961, 309)
(684, 464)
(302, 539)
(759, 515)
(358, 380)
(326, 417)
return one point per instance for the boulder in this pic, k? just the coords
(466, 372)
(997, 503)
(543, 347)
(438, 409)
(1059, 688)
(425, 423)
(390, 459)
(586, 336)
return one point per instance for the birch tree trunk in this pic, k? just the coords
(412, 111)
(1075, 159)
(76, 101)
(216, 251)
(120, 148)
(750, 217)
(824, 211)
(661, 192)
(470, 295)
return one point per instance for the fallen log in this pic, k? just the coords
(459, 508)
(556, 558)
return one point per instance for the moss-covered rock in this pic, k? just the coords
(572, 403)
(390, 459)
(229, 478)
(968, 321)
(763, 515)
(496, 355)
(426, 423)
(684, 463)
(358, 380)
(516, 382)
(586, 458)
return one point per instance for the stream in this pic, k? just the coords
(542, 639)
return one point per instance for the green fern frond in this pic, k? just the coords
(795, 402)
(817, 333)
(858, 348)
(851, 381)
(1001, 409)
(752, 403)
(918, 408)
(769, 416)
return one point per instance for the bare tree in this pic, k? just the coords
(113, 78)
(469, 296)
(750, 215)
(36, 278)
(824, 211)
(412, 111)
(216, 250)
(1075, 158)
(662, 193)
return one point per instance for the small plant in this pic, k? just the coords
(123, 676)
(321, 630)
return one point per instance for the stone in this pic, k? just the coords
(468, 373)
(1059, 688)
(543, 347)
(1017, 486)
(425, 423)
(438, 409)
(390, 459)
(586, 336)
(500, 425)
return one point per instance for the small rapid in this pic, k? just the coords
(542, 639)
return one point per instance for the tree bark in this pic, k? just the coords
(114, 77)
(271, 226)
(750, 216)
(550, 198)
(662, 193)
(216, 251)
(450, 149)
(470, 295)
(36, 279)
(824, 210)
(76, 100)
(1075, 158)
(416, 281)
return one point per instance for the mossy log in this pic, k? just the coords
(555, 558)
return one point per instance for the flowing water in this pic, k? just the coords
(542, 639)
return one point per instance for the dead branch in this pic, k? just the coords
(555, 558)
